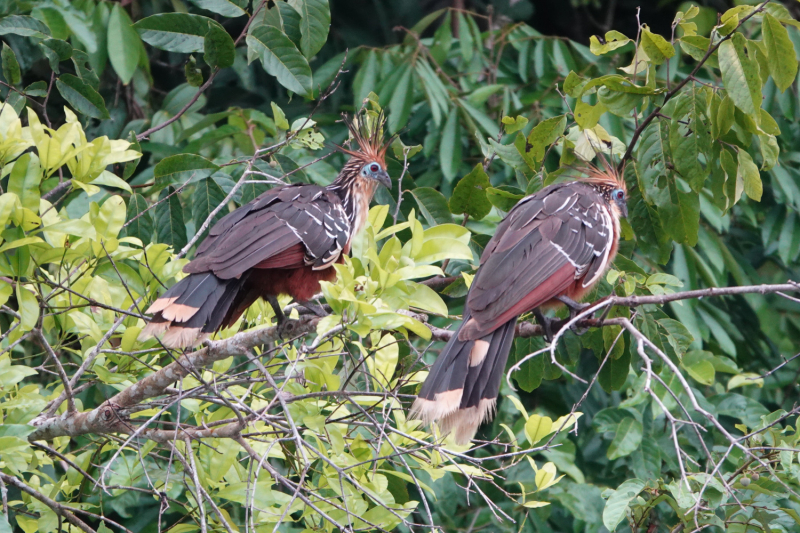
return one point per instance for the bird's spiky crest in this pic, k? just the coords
(607, 174)
(366, 130)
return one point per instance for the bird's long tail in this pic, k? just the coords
(195, 307)
(460, 393)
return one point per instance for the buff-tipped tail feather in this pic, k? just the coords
(193, 309)
(460, 393)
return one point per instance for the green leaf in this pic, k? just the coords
(656, 47)
(142, 226)
(56, 51)
(24, 181)
(690, 136)
(174, 32)
(538, 427)
(612, 41)
(287, 19)
(740, 75)
(124, 45)
(677, 334)
(614, 373)
(530, 374)
(281, 58)
(627, 438)
(130, 166)
(28, 308)
(81, 96)
(450, 147)
(314, 24)
(469, 196)
(750, 175)
(781, 56)
(433, 205)
(170, 226)
(24, 26)
(617, 504)
(587, 115)
(182, 167)
(194, 76)
(699, 366)
(366, 77)
(681, 217)
(504, 197)
(11, 70)
(400, 104)
(226, 8)
(219, 48)
(542, 136)
(207, 196)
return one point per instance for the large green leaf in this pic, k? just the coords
(618, 502)
(314, 24)
(170, 227)
(123, 44)
(219, 47)
(286, 18)
(740, 75)
(174, 32)
(781, 56)
(25, 26)
(81, 96)
(281, 59)
(226, 8)
(182, 167)
(626, 439)
(11, 70)
(24, 180)
(139, 219)
(450, 146)
(530, 374)
(470, 195)
(748, 171)
(400, 104)
(207, 196)
(433, 205)
(690, 136)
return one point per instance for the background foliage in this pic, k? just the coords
(128, 128)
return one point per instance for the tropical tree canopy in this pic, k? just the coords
(127, 129)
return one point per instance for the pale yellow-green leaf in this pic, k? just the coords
(427, 299)
(110, 180)
(534, 504)
(745, 379)
(538, 427)
(110, 218)
(6, 290)
(28, 308)
(518, 404)
(750, 176)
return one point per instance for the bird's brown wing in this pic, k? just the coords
(550, 240)
(287, 227)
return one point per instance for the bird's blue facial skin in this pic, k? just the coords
(375, 171)
(618, 195)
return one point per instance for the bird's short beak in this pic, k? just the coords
(384, 179)
(624, 210)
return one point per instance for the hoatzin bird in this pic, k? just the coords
(551, 248)
(283, 242)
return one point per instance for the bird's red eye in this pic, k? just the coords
(374, 167)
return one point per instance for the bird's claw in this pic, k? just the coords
(316, 309)
(287, 327)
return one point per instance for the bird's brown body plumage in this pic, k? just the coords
(554, 243)
(286, 241)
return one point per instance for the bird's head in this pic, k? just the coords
(611, 185)
(368, 161)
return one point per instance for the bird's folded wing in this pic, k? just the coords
(547, 242)
(289, 227)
